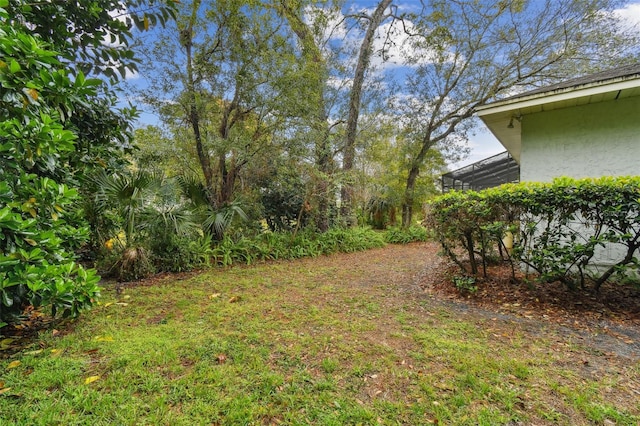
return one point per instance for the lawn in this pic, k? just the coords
(342, 339)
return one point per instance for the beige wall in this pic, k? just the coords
(601, 139)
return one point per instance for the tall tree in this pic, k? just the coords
(315, 70)
(355, 95)
(468, 52)
(224, 70)
(335, 107)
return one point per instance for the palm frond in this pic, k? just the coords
(218, 221)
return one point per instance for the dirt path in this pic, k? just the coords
(416, 271)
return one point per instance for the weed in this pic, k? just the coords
(329, 365)
(465, 284)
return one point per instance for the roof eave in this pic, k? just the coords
(503, 117)
(557, 96)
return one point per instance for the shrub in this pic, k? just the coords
(349, 240)
(465, 284)
(178, 253)
(272, 245)
(471, 221)
(400, 235)
(559, 227)
(38, 226)
(134, 264)
(380, 212)
(294, 246)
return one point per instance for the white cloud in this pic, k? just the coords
(331, 22)
(391, 45)
(339, 83)
(400, 50)
(630, 14)
(131, 75)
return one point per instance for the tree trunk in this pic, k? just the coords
(313, 55)
(468, 239)
(186, 39)
(347, 192)
(323, 193)
(407, 202)
(228, 175)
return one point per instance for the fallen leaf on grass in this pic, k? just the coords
(214, 296)
(122, 304)
(221, 358)
(56, 351)
(108, 304)
(36, 352)
(104, 339)
(6, 343)
(55, 333)
(14, 364)
(234, 299)
(91, 379)
(3, 390)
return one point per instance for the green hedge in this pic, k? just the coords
(558, 227)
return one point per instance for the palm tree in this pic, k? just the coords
(215, 221)
(128, 194)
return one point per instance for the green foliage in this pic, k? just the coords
(218, 221)
(161, 230)
(98, 21)
(178, 252)
(126, 194)
(40, 228)
(469, 221)
(283, 199)
(380, 212)
(228, 251)
(560, 226)
(349, 240)
(400, 235)
(465, 283)
(273, 246)
(57, 127)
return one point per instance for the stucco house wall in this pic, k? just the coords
(584, 127)
(593, 140)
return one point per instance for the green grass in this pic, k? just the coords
(304, 342)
